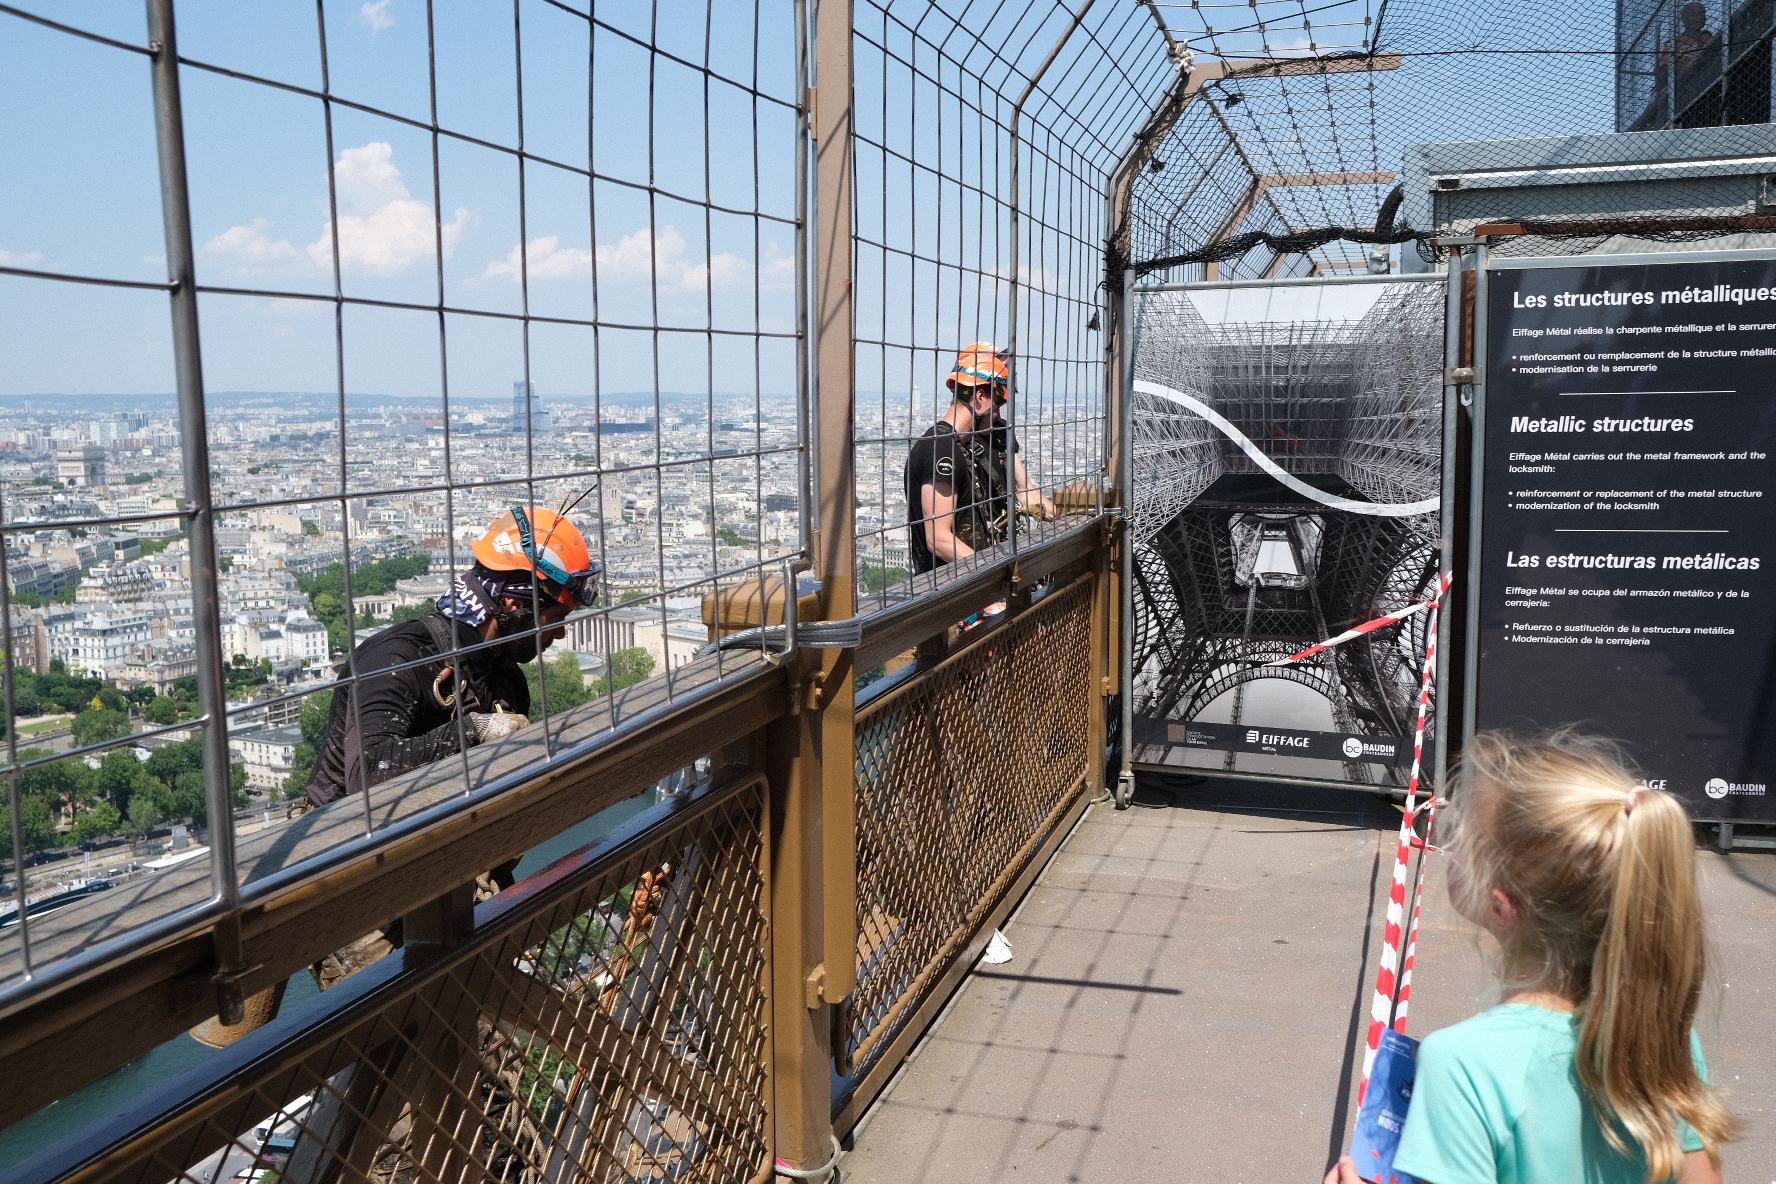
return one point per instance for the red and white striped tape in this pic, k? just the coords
(1351, 634)
(1392, 973)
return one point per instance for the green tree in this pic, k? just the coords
(38, 833)
(312, 529)
(627, 667)
(97, 725)
(144, 816)
(163, 710)
(121, 777)
(877, 578)
(565, 685)
(60, 783)
(302, 764)
(24, 697)
(313, 716)
(100, 820)
(188, 797)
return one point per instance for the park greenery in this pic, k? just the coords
(32, 600)
(326, 593)
(56, 690)
(124, 794)
(877, 578)
(568, 688)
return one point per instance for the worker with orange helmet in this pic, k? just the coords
(960, 472)
(531, 570)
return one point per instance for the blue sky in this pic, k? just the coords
(80, 195)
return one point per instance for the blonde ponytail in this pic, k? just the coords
(1602, 874)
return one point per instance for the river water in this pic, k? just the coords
(116, 1089)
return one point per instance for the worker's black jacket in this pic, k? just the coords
(404, 724)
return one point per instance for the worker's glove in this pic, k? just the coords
(493, 725)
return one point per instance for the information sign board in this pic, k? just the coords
(1627, 540)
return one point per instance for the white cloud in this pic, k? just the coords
(547, 259)
(383, 229)
(250, 248)
(20, 258)
(636, 258)
(1039, 279)
(778, 270)
(375, 14)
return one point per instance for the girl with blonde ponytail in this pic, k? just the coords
(1590, 1070)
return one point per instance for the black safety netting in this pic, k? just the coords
(1278, 153)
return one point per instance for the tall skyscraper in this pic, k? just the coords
(539, 418)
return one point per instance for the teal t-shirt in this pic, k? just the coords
(1497, 1100)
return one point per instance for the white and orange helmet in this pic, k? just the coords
(546, 543)
(980, 364)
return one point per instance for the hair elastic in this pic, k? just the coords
(1633, 794)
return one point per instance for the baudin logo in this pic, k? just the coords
(1353, 747)
(1718, 788)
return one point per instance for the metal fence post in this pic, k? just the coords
(194, 452)
(836, 558)
(812, 751)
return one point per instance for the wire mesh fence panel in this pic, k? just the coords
(607, 1023)
(982, 167)
(1288, 462)
(435, 263)
(1303, 119)
(960, 777)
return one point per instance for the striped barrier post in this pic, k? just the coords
(1393, 978)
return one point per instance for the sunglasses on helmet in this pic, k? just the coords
(578, 587)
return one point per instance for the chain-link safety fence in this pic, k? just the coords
(1296, 148)
(986, 140)
(961, 777)
(607, 1021)
(426, 263)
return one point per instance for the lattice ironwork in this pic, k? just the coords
(607, 1023)
(1287, 154)
(960, 777)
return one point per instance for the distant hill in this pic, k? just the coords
(321, 402)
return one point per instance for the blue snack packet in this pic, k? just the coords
(1383, 1115)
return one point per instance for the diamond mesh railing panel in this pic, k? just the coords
(960, 777)
(613, 1028)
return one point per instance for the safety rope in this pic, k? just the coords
(1353, 634)
(819, 1173)
(1393, 977)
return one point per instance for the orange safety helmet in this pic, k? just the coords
(564, 567)
(980, 364)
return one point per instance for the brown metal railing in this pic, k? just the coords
(962, 775)
(630, 1013)
(605, 1021)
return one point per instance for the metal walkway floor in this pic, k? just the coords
(1189, 984)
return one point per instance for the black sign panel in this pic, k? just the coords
(1627, 543)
